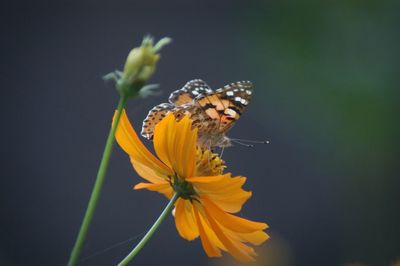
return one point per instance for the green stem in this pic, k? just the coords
(150, 233)
(94, 197)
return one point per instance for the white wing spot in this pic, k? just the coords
(229, 93)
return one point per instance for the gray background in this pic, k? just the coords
(326, 96)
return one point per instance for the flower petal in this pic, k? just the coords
(209, 247)
(237, 249)
(225, 191)
(131, 144)
(164, 129)
(175, 144)
(146, 172)
(255, 238)
(186, 147)
(232, 222)
(163, 188)
(206, 179)
(185, 220)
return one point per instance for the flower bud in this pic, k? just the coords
(140, 65)
(142, 61)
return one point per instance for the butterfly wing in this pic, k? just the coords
(154, 116)
(227, 104)
(213, 113)
(180, 102)
(194, 89)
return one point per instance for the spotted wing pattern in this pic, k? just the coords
(192, 90)
(154, 116)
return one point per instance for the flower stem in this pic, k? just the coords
(150, 233)
(94, 197)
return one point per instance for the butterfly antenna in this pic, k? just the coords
(251, 141)
(241, 143)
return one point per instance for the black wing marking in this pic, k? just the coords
(194, 89)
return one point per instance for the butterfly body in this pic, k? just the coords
(213, 112)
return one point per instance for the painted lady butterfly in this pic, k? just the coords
(212, 112)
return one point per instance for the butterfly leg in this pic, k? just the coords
(222, 152)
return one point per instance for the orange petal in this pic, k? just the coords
(185, 220)
(131, 144)
(206, 179)
(162, 140)
(206, 225)
(175, 144)
(233, 204)
(147, 173)
(225, 191)
(238, 250)
(209, 247)
(232, 222)
(185, 149)
(255, 238)
(163, 188)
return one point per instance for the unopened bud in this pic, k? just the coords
(140, 65)
(142, 61)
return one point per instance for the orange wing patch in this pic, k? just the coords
(227, 104)
(192, 90)
(183, 98)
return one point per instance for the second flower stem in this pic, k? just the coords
(94, 197)
(150, 233)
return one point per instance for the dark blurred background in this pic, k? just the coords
(326, 78)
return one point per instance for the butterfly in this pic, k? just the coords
(213, 112)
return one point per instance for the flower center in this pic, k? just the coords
(183, 188)
(208, 163)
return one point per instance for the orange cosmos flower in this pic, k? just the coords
(207, 196)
